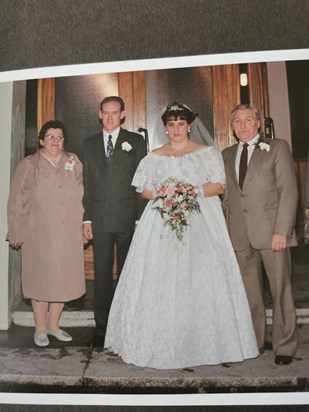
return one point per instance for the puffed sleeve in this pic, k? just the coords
(144, 176)
(214, 166)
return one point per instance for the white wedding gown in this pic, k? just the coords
(181, 304)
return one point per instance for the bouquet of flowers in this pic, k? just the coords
(175, 200)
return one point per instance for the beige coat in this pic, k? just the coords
(267, 204)
(45, 212)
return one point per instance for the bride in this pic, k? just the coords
(180, 300)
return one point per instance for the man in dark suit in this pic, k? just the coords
(260, 203)
(112, 205)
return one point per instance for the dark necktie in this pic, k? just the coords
(243, 164)
(110, 149)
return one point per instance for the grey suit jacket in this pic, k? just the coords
(110, 201)
(267, 204)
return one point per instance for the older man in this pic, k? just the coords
(260, 205)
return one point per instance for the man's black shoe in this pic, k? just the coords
(283, 360)
(97, 342)
(266, 346)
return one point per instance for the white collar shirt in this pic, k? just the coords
(114, 135)
(251, 147)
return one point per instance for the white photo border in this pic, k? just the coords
(267, 399)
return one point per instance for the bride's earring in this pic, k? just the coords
(166, 131)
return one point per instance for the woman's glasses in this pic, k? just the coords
(53, 138)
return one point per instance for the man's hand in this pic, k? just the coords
(87, 231)
(278, 243)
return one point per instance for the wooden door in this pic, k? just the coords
(46, 101)
(132, 88)
(258, 89)
(226, 94)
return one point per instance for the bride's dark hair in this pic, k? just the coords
(178, 111)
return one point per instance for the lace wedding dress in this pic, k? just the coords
(181, 303)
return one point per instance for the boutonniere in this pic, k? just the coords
(264, 146)
(126, 146)
(70, 163)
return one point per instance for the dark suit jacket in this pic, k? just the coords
(110, 201)
(267, 203)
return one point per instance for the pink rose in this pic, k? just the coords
(170, 190)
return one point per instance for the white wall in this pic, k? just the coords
(6, 96)
(12, 150)
(279, 100)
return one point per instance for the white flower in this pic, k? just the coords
(264, 146)
(160, 202)
(70, 163)
(126, 146)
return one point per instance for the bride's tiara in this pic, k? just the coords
(174, 108)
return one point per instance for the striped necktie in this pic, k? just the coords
(110, 149)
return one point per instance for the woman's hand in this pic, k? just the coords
(147, 194)
(212, 189)
(17, 245)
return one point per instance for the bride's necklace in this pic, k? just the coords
(52, 162)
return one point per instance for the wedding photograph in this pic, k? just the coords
(154, 217)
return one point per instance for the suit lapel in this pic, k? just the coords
(119, 142)
(254, 161)
(117, 158)
(99, 152)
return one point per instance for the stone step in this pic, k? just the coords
(76, 318)
(85, 318)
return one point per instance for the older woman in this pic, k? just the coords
(45, 220)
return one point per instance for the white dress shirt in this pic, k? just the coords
(114, 135)
(251, 147)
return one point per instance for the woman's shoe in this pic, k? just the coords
(41, 339)
(60, 335)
